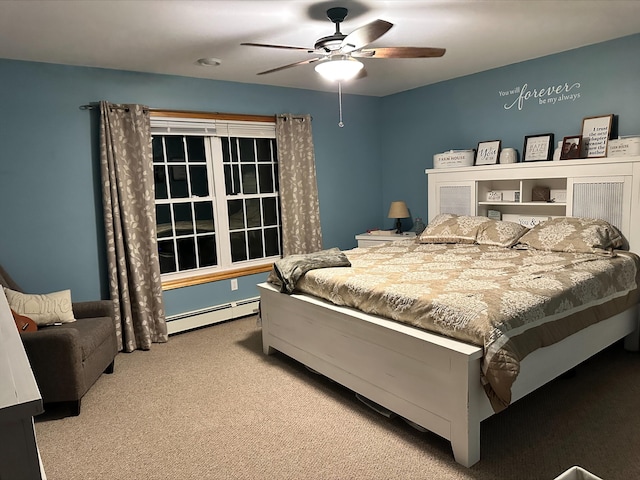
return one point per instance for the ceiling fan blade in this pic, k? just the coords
(286, 47)
(284, 67)
(363, 36)
(400, 52)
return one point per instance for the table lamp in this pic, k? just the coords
(398, 210)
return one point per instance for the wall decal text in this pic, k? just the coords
(549, 95)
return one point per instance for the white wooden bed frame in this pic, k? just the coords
(428, 379)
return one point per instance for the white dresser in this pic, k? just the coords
(20, 401)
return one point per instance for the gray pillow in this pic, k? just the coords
(574, 234)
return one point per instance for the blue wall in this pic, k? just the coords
(50, 205)
(459, 113)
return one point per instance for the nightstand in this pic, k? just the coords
(368, 240)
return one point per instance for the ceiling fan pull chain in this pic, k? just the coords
(340, 123)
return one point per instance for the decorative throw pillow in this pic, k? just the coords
(42, 309)
(573, 234)
(500, 233)
(24, 324)
(449, 228)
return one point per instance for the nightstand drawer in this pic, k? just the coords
(368, 240)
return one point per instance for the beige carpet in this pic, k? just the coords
(209, 405)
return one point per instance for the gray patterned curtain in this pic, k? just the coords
(301, 232)
(129, 217)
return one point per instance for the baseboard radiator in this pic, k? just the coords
(208, 316)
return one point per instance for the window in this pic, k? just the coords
(216, 195)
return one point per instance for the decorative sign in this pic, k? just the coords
(532, 221)
(537, 147)
(546, 95)
(488, 152)
(595, 135)
(624, 146)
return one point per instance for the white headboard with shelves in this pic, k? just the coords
(606, 188)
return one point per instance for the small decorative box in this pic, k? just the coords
(510, 196)
(540, 194)
(493, 196)
(453, 158)
(559, 195)
(624, 147)
(494, 214)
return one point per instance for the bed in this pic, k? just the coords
(453, 328)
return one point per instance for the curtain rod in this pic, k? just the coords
(295, 117)
(160, 112)
(95, 106)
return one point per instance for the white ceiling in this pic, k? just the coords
(168, 36)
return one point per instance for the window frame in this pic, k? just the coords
(205, 275)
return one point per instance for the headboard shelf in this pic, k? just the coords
(606, 188)
(523, 166)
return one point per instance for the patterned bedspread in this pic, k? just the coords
(507, 301)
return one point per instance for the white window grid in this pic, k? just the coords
(218, 198)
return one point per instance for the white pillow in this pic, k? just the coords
(42, 309)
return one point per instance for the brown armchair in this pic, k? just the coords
(67, 359)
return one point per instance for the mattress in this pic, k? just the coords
(508, 301)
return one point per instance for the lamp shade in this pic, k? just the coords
(398, 210)
(339, 68)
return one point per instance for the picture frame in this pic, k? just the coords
(537, 148)
(571, 147)
(595, 136)
(488, 152)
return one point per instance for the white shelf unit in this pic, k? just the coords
(523, 210)
(605, 188)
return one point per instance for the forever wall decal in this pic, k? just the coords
(549, 95)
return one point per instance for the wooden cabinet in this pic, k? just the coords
(603, 188)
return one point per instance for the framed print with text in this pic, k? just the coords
(595, 135)
(488, 152)
(537, 147)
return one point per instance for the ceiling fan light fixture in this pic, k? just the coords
(339, 68)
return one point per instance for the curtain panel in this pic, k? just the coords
(129, 217)
(300, 211)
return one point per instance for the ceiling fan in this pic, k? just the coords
(338, 53)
